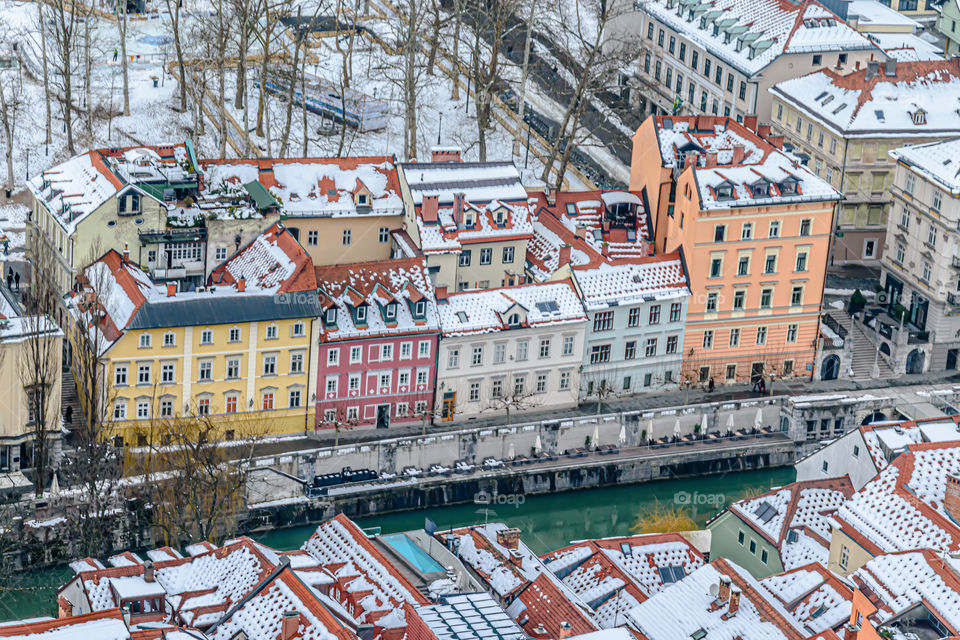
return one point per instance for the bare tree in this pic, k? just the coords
(11, 105)
(173, 9)
(406, 69)
(121, 15)
(457, 25)
(515, 398)
(600, 385)
(64, 16)
(46, 74)
(524, 76)
(291, 83)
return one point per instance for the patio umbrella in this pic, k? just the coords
(511, 453)
(650, 430)
(676, 428)
(758, 419)
(595, 438)
(55, 486)
(704, 423)
(537, 446)
(622, 438)
(731, 423)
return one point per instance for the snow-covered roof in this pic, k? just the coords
(815, 597)
(633, 281)
(469, 616)
(938, 162)
(273, 262)
(103, 625)
(689, 607)
(734, 166)
(527, 305)
(315, 187)
(497, 220)
(480, 182)
(751, 34)
(376, 287)
(906, 47)
(898, 99)
(873, 14)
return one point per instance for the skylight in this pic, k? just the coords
(879, 115)
(671, 574)
(548, 307)
(766, 512)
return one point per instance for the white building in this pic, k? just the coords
(507, 350)
(921, 270)
(720, 57)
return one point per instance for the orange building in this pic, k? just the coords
(753, 226)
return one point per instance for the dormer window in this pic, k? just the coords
(514, 320)
(760, 189)
(572, 208)
(363, 200)
(331, 316)
(725, 191)
(919, 116)
(420, 308)
(788, 186)
(361, 314)
(390, 313)
(498, 216)
(468, 219)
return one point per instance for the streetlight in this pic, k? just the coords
(439, 128)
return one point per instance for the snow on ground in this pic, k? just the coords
(13, 219)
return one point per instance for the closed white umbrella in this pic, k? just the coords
(758, 419)
(622, 438)
(731, 423)
(676, 428)
(537, 446)
(55, 486)
(595, 439)
(704, 422)
(650, 430)
(511, 453)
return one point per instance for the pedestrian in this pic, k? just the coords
(756, 384)
(710, 386)
(115, 54)
(10, 279)
(16, 279)
(763, 385)
(69, 414)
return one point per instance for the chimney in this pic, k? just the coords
(428, 209)
(552, 196)
(750, 122)
(734, 603)
(890, 68)
(739, 153)
(441, 294)
(565, 630)
(689, 159)
(126, 252)
(711, 159)
(580, 232)
(445, 154)
(171, 289)
(242, 284)
(564, 257)
(516, 558)
(509, 538)
(539, 631)
(724, 593)
(776, 141)
(763, 130)
(872, 67)
(148, 571)
(290, 625)
(951, 498)
(458, 209)
(605, 249)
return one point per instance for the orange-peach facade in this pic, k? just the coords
(756, 272)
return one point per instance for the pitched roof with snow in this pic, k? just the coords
(480, 182)
(938, 162)
(815, 597)
(377, 287)
(528, 305)
(102, 625)
(750, 34)
(734, 166)
(313, 187)
(902, 507)
(469, 616)
(632, 281)
(906, 102)
(273, 262)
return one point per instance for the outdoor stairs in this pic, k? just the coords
(70, 398)
(865, 353)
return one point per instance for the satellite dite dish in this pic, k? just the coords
(714, 590)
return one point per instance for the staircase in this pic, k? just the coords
(864, 353)
(70, 398)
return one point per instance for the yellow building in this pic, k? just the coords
(238, 350)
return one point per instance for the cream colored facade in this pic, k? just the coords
(846, 554)
(345, 239)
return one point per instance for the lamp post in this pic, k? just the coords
(439, 128)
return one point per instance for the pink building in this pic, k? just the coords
(378, 344)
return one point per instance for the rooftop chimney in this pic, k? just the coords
(689, 159)
(750, 122)
(539, 631)
(509, 538)
(872, 67)
(734, 603)
(580, 232)
(711, 159)
(605, 249)
(242, 284)
(126, 252)
(763, 130)
(171, 289)
(458, 209)
(516, 558)
(428, 209)
(445, 154)
(564, 257)
(148, 571)
(565, 630)
(890, 68)
(738, 153)
(290, 625)
(724, 593)
(441, 294)
(951, 498)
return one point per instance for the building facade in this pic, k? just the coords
(845, 125)
(510, 350)
(378, 344)
(753, 227)
(948, 24)
(716, 58)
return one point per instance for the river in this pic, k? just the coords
(547, 522)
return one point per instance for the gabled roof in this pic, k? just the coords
(485, 311)
(632, 281)
(102, 625)
(938, 162)
(480, 182)
(273, 262)
(814, 596)
(468, 616)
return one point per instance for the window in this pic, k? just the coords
(270, 365)
(761, 335)
(711, 303)
(719, 233)
(508, 255)
(603, 321)
(332, 383)
(499, 353)
(474, 395)
(740, 537)
(272, 328)
(267, 401)
(805, 227)
(145, 341)
(313, 237)
(753, 546)
(544, 348)
(422, 375)
(477, 359)
(453, 358)
(143, 409)
(496, 389)
(675, 309)
(166, 408)
(406, 350)
(356, 354)
(564, 380)
(402, 409)
(633, 318)
(333, 357)
(234, 335)
(465, 258)
(706, 67)
(600, 353)
(630, 350)
(791, 333)
(932, 235)
(801, 261)
(718, 76)
(567, 346)
(672, 344)
(734, 337)
(788, 368)
(763, 556)
(522, 350)
(296, 363)
(716, 267)
(423, 349)
(541, 383)
(746, 232)
(743, 91)
(206, 336)
(651, 347)
(383, 235)
(708, 339)
(926, 272)
(856, 451)
(673, 44)
(779, 112)
(796, 296)
(347, 237)
(486, 256)
(683, 52)
(730, 82)
(386, 352)
(293, 398)
(901, 253)
(694, 59)
(660, 38)
(353, 382)
(766, 298)
(203, 406)
(120, 375)
(299, 329)
(937, 201)
(167, 373)
(743, 266)
(738, 299)
(143, 373)
(119, 409)
(770, 265)
(844, 552)
(220, 254)
(169, 339)
(384, 380)
(654, 316)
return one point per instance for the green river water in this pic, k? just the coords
(547, 522)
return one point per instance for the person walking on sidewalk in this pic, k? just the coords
(115, 54)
